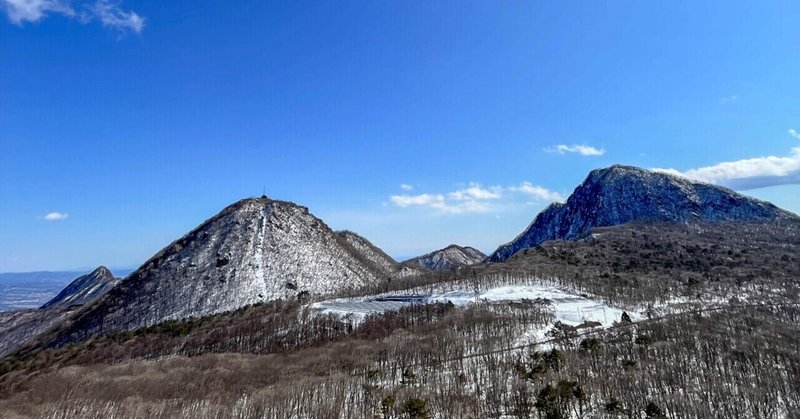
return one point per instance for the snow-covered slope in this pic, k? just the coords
(20, 326)
(622, 194)
(369, 253)
(85, 289)
(453, 256)
(566, 307)
(372, 255)
(254, 250)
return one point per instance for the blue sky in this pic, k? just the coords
(417, 124)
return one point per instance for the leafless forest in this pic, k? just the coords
(721, 338)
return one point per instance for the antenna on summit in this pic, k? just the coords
(264, 191)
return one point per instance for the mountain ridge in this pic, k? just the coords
(84, 289)
(620, 194)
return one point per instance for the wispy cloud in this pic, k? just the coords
(20, 11)
(107, 12)
(110, 15)
(752, 173)
(475, 198)
(409, 200)
(56, 216)
(729, 99)
(475, 192)
(583, 150)
(537, 192)
(406, 187)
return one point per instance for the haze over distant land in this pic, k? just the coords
(32, 289)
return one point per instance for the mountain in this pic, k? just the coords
(253, 251)
(453, 256)
(368, 252)
(372, 255)
(622, 194)
(20, 326)
(26, 290)
(85, 289)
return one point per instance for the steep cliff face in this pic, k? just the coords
(254, 250)
(622, 194)
(453, 256)
(85, 289)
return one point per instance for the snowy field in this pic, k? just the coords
(566, 307)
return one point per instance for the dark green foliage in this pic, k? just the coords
(303, 297)
(556, 401)
(548, 403)
(653, 411)
(563, 331)
(416, 408)
(628, 364)
(590, 344)
(612, 405)
(409, 378)
(387, 404)
(540, 363)
(644, 339)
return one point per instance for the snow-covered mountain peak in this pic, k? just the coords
(621, 194)
(84, 289)
(453, 256)
(255, 250)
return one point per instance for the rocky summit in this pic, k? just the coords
(622, 194)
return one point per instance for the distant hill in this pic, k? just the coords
(23, 290)
(85, 289)
(20, 324)
(453, 256)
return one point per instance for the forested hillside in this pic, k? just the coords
(717, 338)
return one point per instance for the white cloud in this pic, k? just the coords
(583, 150)
(406, 187)
(55, 216)
(753, 173)
(409, 200)
(108, 12)
(112, 16)
(474, 198)
(537, 192)
(474, 191)
(20, 11)
(794, 133)
(728, 99)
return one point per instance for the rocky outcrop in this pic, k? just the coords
(623, 194)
